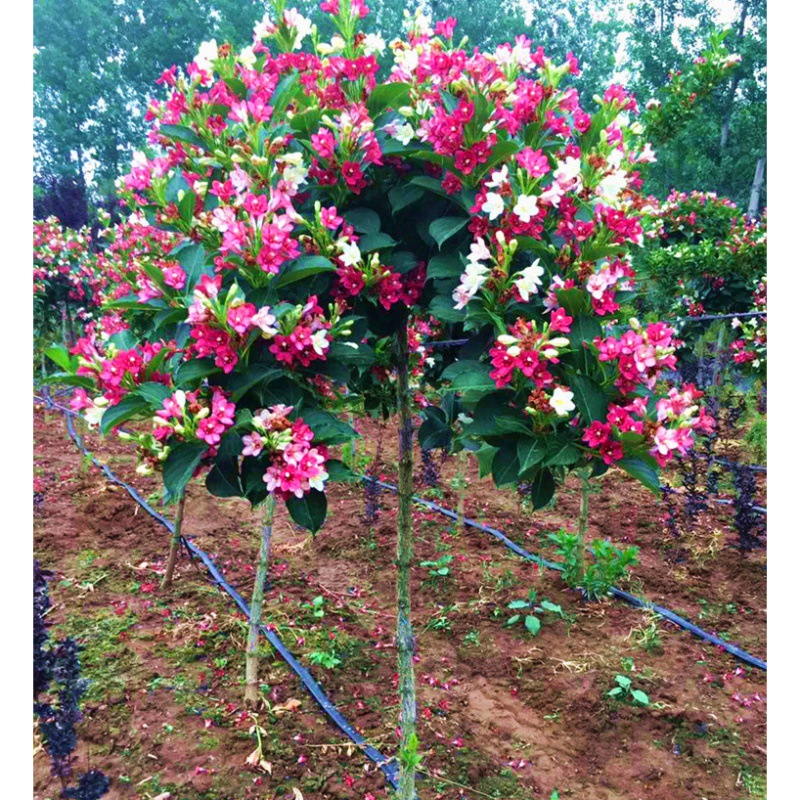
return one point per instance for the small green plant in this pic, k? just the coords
(473, 638)
(624, 692)
(648, 636)
(608, 564)
(324, 658)
(530, 620)
(316, 607)
(438, 570)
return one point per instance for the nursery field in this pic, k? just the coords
(400, 401)
(502, 713)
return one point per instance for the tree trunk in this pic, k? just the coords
(175, 544)
(726, 124)
(256, 604)
(461, 477)
(405, 554)
(755, 191)
(583, 519)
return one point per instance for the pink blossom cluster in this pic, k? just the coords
(118, 372)
(189, 416)
(677, 416)
(295, 466)
(528, 352)
(640, 354)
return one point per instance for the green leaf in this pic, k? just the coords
(130, 406)
(574, 301)
(242, 382)
(183, 134)
(309, 511)
(561, 454)
(364, 220)
(387, 95)
(375, 241)
(327, 428)
(404, 195)
(485, 456)
(643, 468)
(640, 697)
(624, 681)
(533, 624)
(445, 265)
(446, 227)
(340, 473)
(190, 374)
(180, 465)
(154, 393)
(60, 356)
(589, 398)
(543, 487)
(515, 604)
(223, 482)
(193, 260)
(359, 356)
(512, 620)
(434, 431)
(505, 467)
(530, 452)
(303, 267)
(554, 608)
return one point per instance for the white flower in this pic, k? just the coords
(264, 28)
(207, 54)
(478, 251)
(94, 414)
(462, 296)
(561, 402)
(373, 43)
(568, 173)
(552, 195)
(529, 280)
(350, 254)
(525, 207)
(493, 206)
(320, 342)
(610, 187)
(404, 134)
(265, 319)
(247, 57)
(499, 178)
(302, 25)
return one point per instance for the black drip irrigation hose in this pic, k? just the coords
(733, 465)
(710, 317)
(637, 602)
(388, 768)
(723, 501)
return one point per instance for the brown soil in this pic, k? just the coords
(503, 714)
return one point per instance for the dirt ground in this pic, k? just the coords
(503, 714)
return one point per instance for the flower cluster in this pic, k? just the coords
(189, 416)
(670, 433)
(750, 348)
(115, 371)
(295, 465)
(525, 351)
(640, 354)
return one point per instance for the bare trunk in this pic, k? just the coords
(405, 553)
(755, 191)
(461, 477)
(256, 604)
(175, 545)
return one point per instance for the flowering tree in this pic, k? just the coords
(67, 280)
(703, 255)
(316, 207)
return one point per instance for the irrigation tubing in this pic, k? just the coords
(637, 602)
(733, 465)
(388, 768)
(723, 501)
